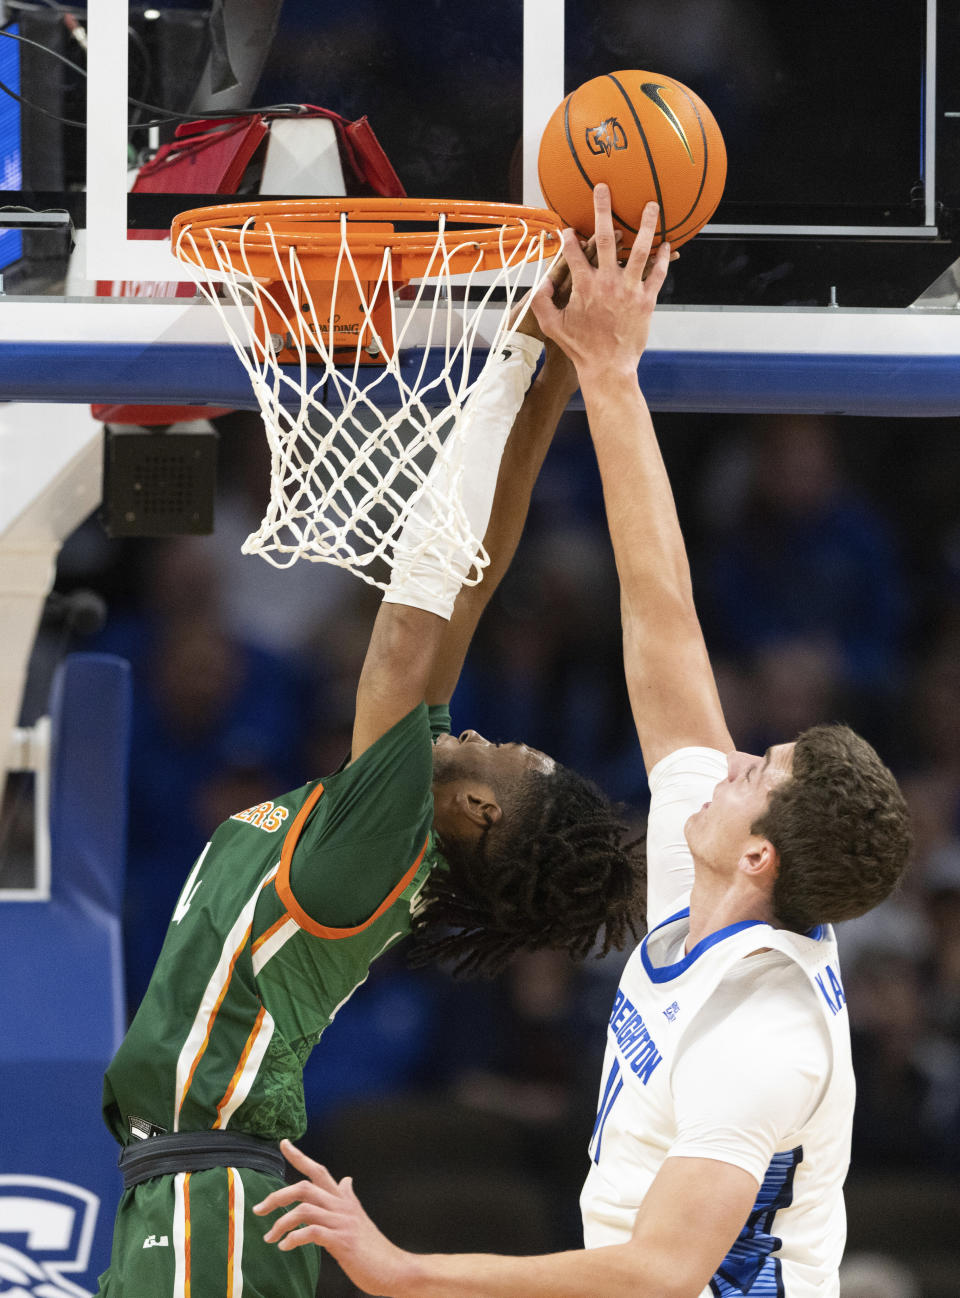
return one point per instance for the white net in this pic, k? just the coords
(351, 445)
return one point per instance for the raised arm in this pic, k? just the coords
(415, 653)
(523, 457)
(604, 330)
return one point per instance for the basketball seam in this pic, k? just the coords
(646, 149)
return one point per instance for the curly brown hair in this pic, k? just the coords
(841, 828)
(556, 872)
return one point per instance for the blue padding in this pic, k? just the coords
(59, 1183)
(60, 961)
(62, 977)
(63, 995)
(90, 715)
(802, 383)
(706, 381)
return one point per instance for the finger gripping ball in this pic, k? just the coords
(647, 136)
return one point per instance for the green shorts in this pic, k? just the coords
(195, 1235)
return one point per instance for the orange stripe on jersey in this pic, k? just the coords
(210, 1021)
(238, 1073)
(266, 936)
(293, 906)
(186, 1235)
(231, 1228)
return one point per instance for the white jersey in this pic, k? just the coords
(723, 1053)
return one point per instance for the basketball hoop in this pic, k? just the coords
(317, 282)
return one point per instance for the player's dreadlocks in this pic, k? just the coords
(555, 873)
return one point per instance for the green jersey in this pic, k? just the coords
(274, 930)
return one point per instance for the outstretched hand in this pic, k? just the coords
(327, 1212)
(558, 367)
(605, 323)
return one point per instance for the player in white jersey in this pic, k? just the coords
(722, 1134)
(734, 1049)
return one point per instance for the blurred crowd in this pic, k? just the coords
(826, 562)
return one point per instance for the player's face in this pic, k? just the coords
(470, 755)
(719, 832)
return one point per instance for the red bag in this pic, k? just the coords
(210, 157)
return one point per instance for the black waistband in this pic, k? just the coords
(197, 1151)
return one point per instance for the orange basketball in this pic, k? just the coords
(647, 136)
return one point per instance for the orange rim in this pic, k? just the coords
(480, 232)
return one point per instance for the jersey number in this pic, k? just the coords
(611, 1089)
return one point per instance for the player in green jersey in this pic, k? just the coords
(482, 849)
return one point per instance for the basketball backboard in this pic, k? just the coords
(109, 253)
(839, 193)
(460, 104)
(839, 196)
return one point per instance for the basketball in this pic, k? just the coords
(648, 137)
